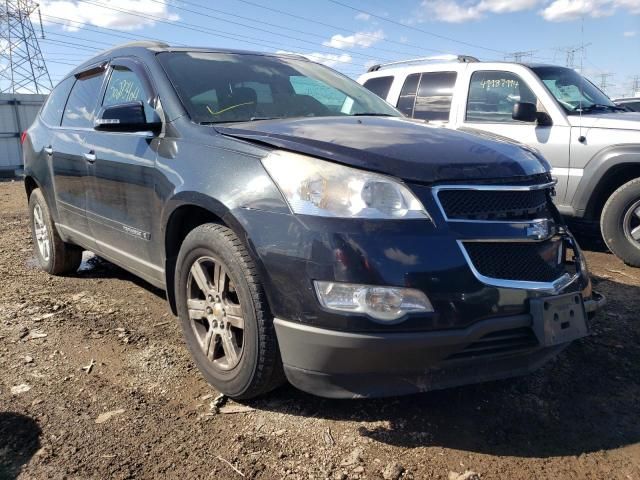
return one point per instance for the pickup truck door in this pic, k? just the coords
(488, 106)
(121, 203)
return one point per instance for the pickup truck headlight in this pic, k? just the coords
(317, 187)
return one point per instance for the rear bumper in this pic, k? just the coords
(340, 364)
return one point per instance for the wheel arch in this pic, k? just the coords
(185, 212)
(604, 174)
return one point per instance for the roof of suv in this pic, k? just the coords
(157, 46)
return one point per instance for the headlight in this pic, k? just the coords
(387, 304)
(316, 187)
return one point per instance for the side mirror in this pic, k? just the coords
(525, 112)
(126, 117)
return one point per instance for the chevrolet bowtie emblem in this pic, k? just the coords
(539, 230)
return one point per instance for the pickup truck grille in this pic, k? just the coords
(523, 261)
(492, 205)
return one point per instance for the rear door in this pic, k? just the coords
(428, 96)
(121, 201)
(69, 165)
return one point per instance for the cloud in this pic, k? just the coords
(365, 17)
(566, 10)
(458, 12)
(632, 33)
(328, 59)
(77, 13)
(358, 39)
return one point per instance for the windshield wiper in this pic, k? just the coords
(252, 119)
(371, 114)
(599, 106)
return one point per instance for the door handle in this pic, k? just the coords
(48, 150)
(90, 156)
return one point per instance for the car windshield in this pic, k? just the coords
(575, 93)
(225, 87)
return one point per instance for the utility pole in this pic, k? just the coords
(22, 66)
(518, 57)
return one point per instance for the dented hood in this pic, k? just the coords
(410, 150)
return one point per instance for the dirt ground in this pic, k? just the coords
(143, 411)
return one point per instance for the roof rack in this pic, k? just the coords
(144, 43)
(458, 58)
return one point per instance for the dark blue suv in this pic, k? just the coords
(303, 228)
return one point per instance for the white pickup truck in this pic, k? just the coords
(592, 144)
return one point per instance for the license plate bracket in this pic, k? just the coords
(559, 319)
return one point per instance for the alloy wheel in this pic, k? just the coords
(632, 223)
(215, 313)
(41, 233)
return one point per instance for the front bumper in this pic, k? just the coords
(340, 364)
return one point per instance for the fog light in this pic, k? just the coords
(381, 303)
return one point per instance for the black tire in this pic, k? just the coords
(618, 220)
(259, 367)
(60, 258)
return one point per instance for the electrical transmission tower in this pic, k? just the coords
(22, 66)
(518, 57)
(571, 54)
(635, 86)
(604, 81)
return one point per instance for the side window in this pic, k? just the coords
(82, 101)
(408, 94)
(379, 85)
(492, 95)
(124, 87)
(433, 101)
(52, 110)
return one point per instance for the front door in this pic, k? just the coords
(121, 204)
(489, 107)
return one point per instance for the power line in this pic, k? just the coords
(342, 29)
(411, 27)
(518, 57)
(262, 22)
(218, 33)
(604, 81)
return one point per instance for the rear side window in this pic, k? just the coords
(380, 86)
(408, 94)
(635, 106)
(492, 95)
(82, 101)
(433, 101)
(52, 110)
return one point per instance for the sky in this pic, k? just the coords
(351, 35)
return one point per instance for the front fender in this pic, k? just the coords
(596, 170)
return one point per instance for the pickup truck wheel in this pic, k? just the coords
(224, 315)
(54, 256)
(620, 223)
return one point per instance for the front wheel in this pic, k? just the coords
(224, 315)
(620, 223)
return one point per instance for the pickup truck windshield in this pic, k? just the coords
(230, 87)
(575, 93)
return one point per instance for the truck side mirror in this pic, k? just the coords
(525, 112)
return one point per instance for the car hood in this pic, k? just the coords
(410, 150)
(618, 121)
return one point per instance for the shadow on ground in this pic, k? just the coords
(585, 400)
(19, 441)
